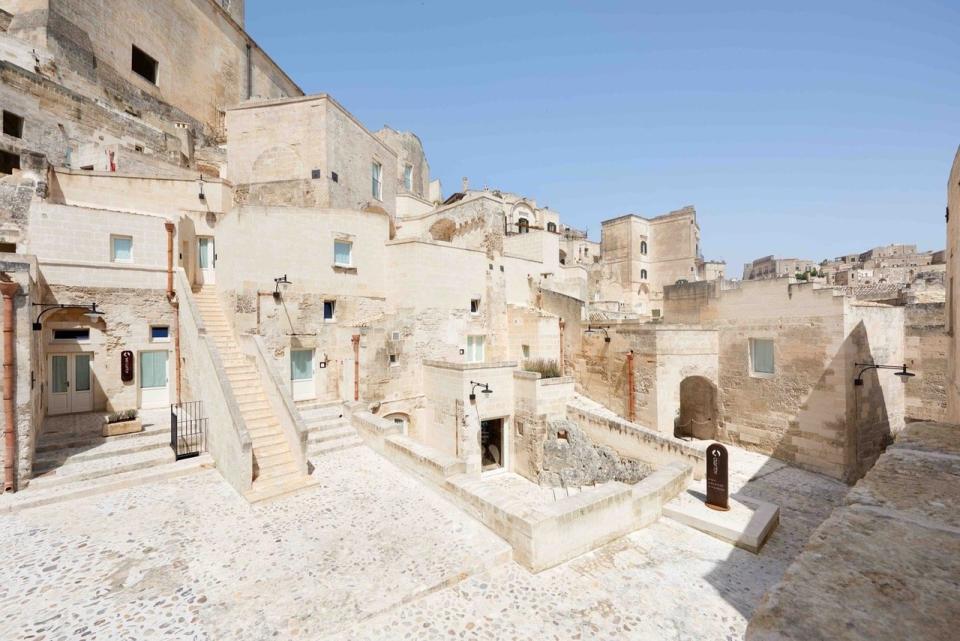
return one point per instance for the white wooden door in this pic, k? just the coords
(302, 382)
(70, 388)
(154, 379)
(206, 260)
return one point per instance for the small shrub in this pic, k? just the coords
(122, 415)
(547, 368)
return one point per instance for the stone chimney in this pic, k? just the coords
(465, 184)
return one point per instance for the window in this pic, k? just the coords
(761, 356)
(329, 310)
(71, 335)
(144, 65)
(8, 248)
(121, 249)
(301, 365)
(526, 350)
(408, 177)
(376, 170)
(12, 124)
(153, 370)
(334, 177)
(474, 305)
(475, 352)
(160, 333)
(643, 274)
(643, 247)
(552, 227)
(343, 253)
(394, 360)
(395, 336)
(523, 226)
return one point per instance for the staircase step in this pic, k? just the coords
(275, 461)
(48, 460)
(55, 441)
(317, 450)
(319, 436)
(34, 496)
(97, 468)
(268, 491)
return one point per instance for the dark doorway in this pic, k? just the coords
(698, 409)
(491, 444)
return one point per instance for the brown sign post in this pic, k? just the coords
(126, 366)
(718, 486)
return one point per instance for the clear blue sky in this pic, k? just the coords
(809, 130)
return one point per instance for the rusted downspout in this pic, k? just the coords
(172, 298)
(630, 389)
(9, 290)
(563, 371)
(356, 366)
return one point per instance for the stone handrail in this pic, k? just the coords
(295, 430)
(228, 440)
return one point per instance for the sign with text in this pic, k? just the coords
(718, 486)
(126, 366)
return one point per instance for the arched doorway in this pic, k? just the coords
(698, 409)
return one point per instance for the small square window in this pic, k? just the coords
(160, 333)
(334, 177)
(475, 349)
(343, 253)
(394, 360)
(144, 65)
(526, 350)
(395, 336)
(12, 124)
(329, 310)
(9, 162)
(761, 357)
(121, 249)
(474, 305)
(408, 177)
(316, 174)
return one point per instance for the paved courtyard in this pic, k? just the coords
(371, 554)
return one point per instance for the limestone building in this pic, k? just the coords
(953, 283)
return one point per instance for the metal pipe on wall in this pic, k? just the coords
(9, 289)
(630, 388)
(356, 366)
(172, 298)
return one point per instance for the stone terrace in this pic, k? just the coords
(372, 554)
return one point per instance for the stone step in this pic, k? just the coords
(50, 459)
(278, 447)
(276, 460)
(69, 440)
(317, 450)
(319, 436)
(277, 472)
(254, 406)
(97, 468)
(33, 496)
(326, 424)
(264, 432)
(256, 414)
(268, 491)
(320, 414)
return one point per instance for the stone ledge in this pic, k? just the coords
(884, 566)
(747, 525)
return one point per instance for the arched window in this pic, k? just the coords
(552, 227)
(523, 226)
(400, 420)
(643, 274)
(643, 247)
(563, 257)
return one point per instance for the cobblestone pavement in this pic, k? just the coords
(370, 554)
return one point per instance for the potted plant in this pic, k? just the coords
(121, 422)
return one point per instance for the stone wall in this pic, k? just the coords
(953, 290)
(925, 352)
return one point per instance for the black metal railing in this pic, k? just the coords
(187, 427)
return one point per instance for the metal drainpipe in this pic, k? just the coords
(249, 71)
(562, 326)
(630, 390)
(356, 366)
(172, 298)
(9, 290)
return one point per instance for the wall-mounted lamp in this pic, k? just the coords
(869, 366)
(593, 330)
(201, 196)
(280, 281)
(90, 312)
(484, 388)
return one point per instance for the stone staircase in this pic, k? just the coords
(275, 471)
(330, 429)
(73, 459)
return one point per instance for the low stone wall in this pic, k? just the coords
(884, 566)
(552, 533)
(604, 427)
